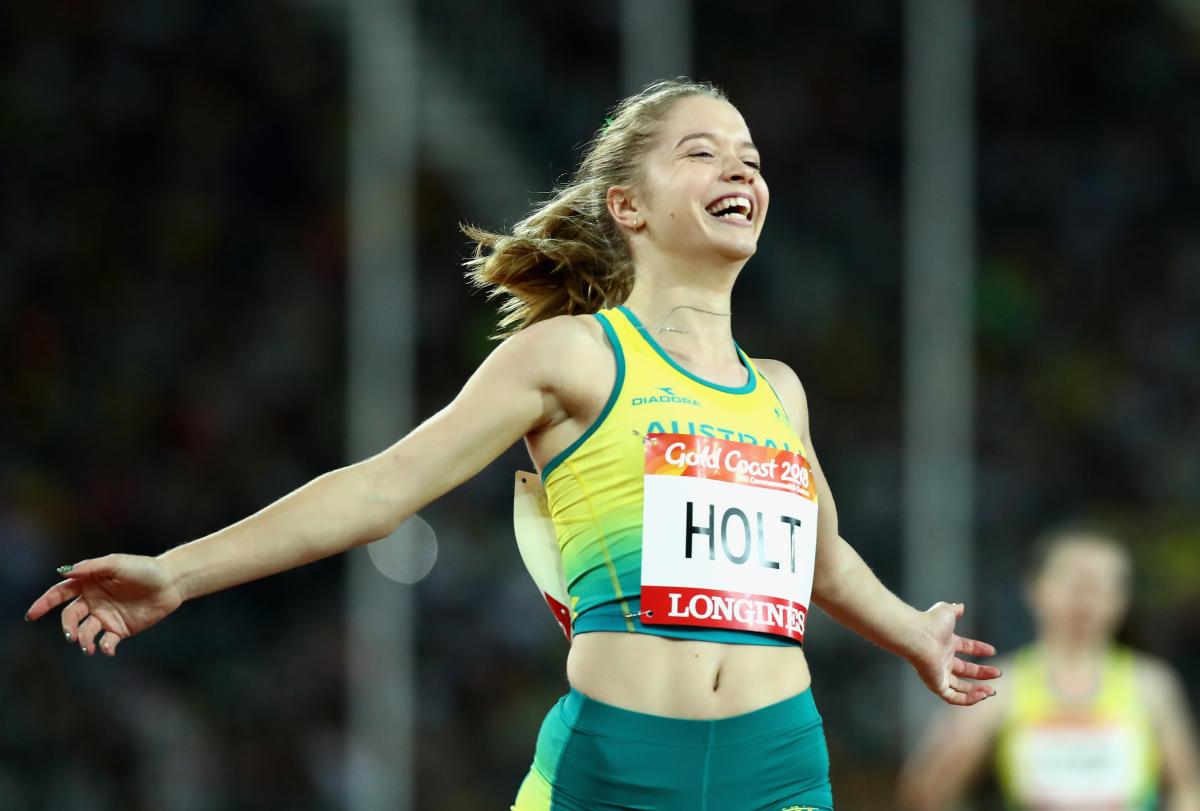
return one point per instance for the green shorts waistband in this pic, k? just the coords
(791, 714)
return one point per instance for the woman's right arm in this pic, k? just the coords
(513, 392)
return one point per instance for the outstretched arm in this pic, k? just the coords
(846, 588)
(124, 594)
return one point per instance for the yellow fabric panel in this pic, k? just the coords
(535, 793)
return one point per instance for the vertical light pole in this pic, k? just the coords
(379, 384)
(656, 41)
(939, 251)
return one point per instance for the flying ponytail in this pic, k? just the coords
(568, 257)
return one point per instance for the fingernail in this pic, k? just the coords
(27, 616)
(67, 634)
(64, 569)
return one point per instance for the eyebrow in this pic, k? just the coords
(711, 137)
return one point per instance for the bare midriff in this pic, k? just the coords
(680, 678)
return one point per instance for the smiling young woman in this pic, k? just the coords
(693, 520)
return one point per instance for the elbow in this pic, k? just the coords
(381, 511)
(385, 524)
(376, 528)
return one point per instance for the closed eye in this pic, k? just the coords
(753, 164)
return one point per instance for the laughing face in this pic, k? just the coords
(701, 192)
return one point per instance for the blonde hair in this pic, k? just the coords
(568, 256)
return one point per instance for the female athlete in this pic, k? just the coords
(694, 522)
(1085, 724)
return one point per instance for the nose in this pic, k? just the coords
(738, 171)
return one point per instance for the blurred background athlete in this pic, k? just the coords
(1080, 723)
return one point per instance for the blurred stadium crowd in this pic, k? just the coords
(172, 271)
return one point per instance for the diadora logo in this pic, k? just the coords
(668, 396)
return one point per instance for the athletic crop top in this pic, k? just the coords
(1097, 753)
(594, 488)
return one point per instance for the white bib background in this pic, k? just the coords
(1091, 767)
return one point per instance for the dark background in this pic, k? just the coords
(172, 312)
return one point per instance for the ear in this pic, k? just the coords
(623, 206)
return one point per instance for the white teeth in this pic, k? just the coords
(741, 203)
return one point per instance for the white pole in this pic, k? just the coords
(379, 385)
(938, 467)
(656, 41)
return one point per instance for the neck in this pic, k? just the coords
(1073, 668)
(1068, 650)
(686, 305)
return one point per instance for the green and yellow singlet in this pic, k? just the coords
(596, 489)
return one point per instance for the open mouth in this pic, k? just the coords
(733, 207)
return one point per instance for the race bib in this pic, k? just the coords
(729, 535)
(1077, 766)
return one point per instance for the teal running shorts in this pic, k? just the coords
(596, 757)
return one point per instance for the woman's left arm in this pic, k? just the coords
(846, 588)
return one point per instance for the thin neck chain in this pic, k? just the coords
(689, 307)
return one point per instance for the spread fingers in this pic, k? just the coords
(971, 670)
(88, 629)
(72, 615)
(54, 596)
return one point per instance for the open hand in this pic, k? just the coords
(117, 594)
(938, 663)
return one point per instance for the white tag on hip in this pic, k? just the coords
(538, 544)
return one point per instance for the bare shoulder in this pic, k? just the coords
(1158, 682)
(787, 385)
(556, 344)
(563, 332)
(570, 358)
(1153, 671)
